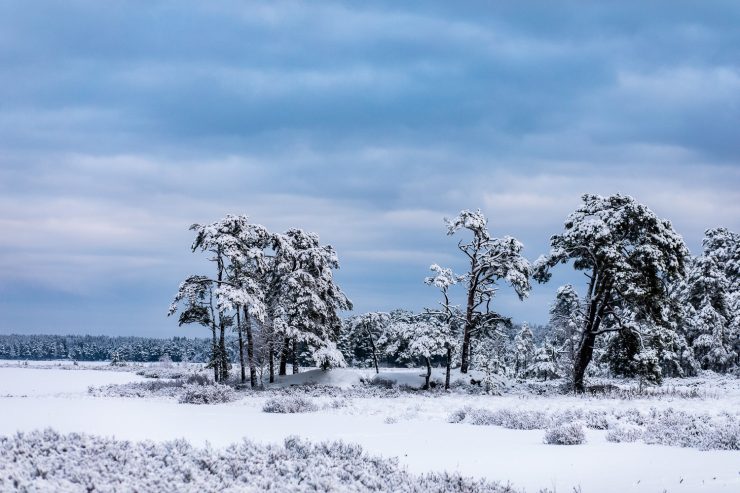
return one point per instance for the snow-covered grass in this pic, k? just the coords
(413, 426)
(49, 461)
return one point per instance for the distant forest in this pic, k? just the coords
(103, 348)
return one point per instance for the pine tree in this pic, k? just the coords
(491, 260)
(566, 322)
(362, 333)
(629, 255)
(524, 350)
(421, 337)
(709, 314)
(545, 362)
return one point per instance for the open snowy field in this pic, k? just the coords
(413, 427)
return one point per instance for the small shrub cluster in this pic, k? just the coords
(565, 434)
(207, 394)
(679, 428)
(164, 372)
(156, 388)
(624, 433)
(290, 405)
(49, 461)
(518, 419)
(666, 427)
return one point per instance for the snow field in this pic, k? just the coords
(413, 427)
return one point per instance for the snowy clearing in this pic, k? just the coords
(413, 427)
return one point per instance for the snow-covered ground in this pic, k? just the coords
(413, 427)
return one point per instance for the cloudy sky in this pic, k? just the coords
(121, 123)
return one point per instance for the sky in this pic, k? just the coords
(122, 123)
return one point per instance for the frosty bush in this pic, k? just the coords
(517, 419)
(289, 405)
(207, 394)
(679, 428)
(156, 388)
(164, 372)
(624, 433)
(565, 434)
(49, 461)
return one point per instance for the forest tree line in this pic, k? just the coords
(650, 309)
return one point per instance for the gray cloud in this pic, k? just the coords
(122, 124)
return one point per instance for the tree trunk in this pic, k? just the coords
(241, 346)
(295, 356)
(250, 350)
(585, 353)
(222, 341)
(271, 357)
(375, 354)
(429, 373)
(468, 326)
(284, 357)
(447, 370)
(597, 306)
(224, 355)
(214, 353)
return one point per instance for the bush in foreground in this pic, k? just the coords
(565, 434)
(49, 461)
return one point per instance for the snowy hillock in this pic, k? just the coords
(49, 461)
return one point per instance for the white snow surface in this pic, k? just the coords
(420, 437)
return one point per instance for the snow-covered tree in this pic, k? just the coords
(418, 338)
(712, 291)
(491, 260)
(524, 350)
(363, 331)
(629, 256)
(196, 294)
(545, 362)
(566, 322)
(448, 314)
(304, 299)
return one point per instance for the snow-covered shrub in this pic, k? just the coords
(156, 388)
(49, 461)
(289, 405)
(198, 379)
(565, 434)
(379, 381)
(517, 419)
(682, 429)
(624, 433)
(335, 404)
(207, 394)
(163, 372)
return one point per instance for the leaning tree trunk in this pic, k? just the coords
(284, 357)
(449, 365)
(295, 356)
(250, 350)
(600, 291)
(241, 346)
